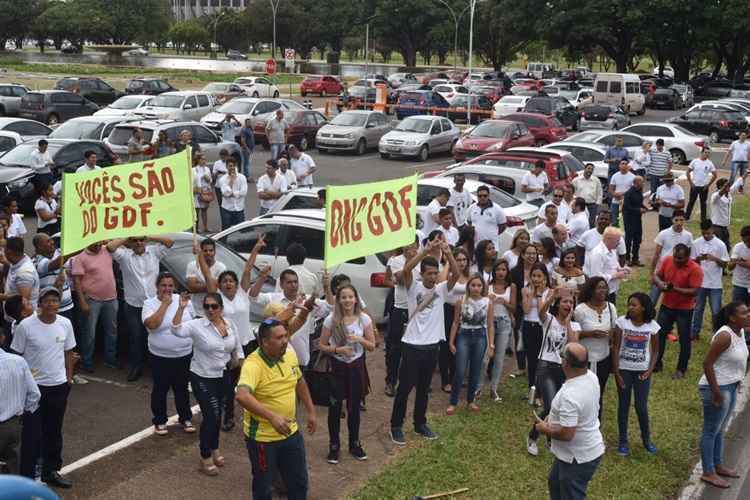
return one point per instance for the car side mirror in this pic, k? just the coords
(187, 106)
(370, 125)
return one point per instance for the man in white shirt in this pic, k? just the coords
(218, 170)
(665, 241)
(669, 197)
(19, 394)
(620, 182)
(21, 276)
(302, 165)
(535, 183)
(578, 222)
(591, 238)
(288, 174)
(431, 217)
(41, 162)
(563, 209)
(270, 187)
(701, 174)
(196, 283)
(713, 256)
(276, 130)
(589, 187)
(739, 264)
(89, 162)
(544, 230)
(740, 153)
(488, 219)
(233, 187)
(139, 265)
(460, 200)
(721, 206)
(573, 425)
(309, 284)
(450, 233)
(603, 261)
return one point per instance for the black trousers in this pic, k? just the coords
(532, 341)
(396, 325)
(664, 222)
(447, 360)
(695, 192)
(170, 373)
(633, 236)
(666, 318)
(352, 376)
(602, 369)
(722, 232)
(42, 431)
(230, 381)
(549, 379)
(417, 365)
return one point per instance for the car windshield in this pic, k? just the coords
(735, 116)
(542, 105)
(584, 137)
(167, 101)
(127, 102)
(349, 120)
(78, 129)
(121, 135)
(237, 107)
(418, 125)
(245, 81)
(215, 87)
(21, 154)
(490, 129)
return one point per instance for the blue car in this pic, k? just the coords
(424, 99)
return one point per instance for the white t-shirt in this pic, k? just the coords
(450, 235)
(711, 270)
(671, 194)
(576, 404)
(534, 181)
(577, 225)
(486, 221)
(721, 206)
(589, 319)
(460, 202)
(397, 263)
(291, 179)
(635, 349)
(233, 197)
(277, 185)
(43, 346)
(540, 232)
(741, 275)
(48, 206)
(739, 150)
(701, 171)
(554, 338)
(533, 314)
(300, 167)
(602, 261)
(621, 182)
(17, 227)
(563, 211)
(211, 351)
(193, 271)
(591, 238)
(220, 167)
(731, 365)
(511, 257)
(139, 272)
(161, 342)
(85, 168)
(238, 310)
(428, 220)
(426, 326)
(669, 238)
(357, 329)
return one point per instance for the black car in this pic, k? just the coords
(666, 98)
(94, 89)
(718, 124)
(236, 55)
(17, 176)
(148, 86)
(559, 107)
(55, 106)
(713, 89)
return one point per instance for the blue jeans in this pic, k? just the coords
(714, 299)
(231, 218)
(737, 166)
(715, 420)
(276, 149)
(470, 348)
(247, 160)
(654, 294)
(740, 294)
(570, 481)
(136, 336)
(502, 338)
(640, 388)
(286, 458)
(105, 310)
(614, 208)
(655, 182)
(666, 319)
(208, 392)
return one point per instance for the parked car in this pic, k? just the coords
(556, 107)
(586, 152)
(306, 227)
(71, 49)
(545, 129)
(632, 142)
(27, 129)
(713, 89)
(398, 79)
(209, 142)
(603, 116)
(94, 89)
(321, 85)
(686, 93)
(422, 99)
(684, 145)
(491, 92)
(492, 135)
(252, 108)
(10, 98)
(148, 86)
(418, 137)
(509, 104)
(394, 94)
(125, 105)
(303, 127)
(354, 130)
(236, 55)
(667, 98)
(97, 128)
(139, 52)
(258, 86)
(9, 140)
(435, 75)
(55, 106)
(620, 89)
(450, 90)
(183, 105)
(717, 124)
(481, 108)
(223, 92)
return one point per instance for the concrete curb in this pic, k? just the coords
(694, 488)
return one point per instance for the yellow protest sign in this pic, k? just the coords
(364, 219)
(137, 199)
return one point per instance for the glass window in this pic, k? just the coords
(190, 101)
(447, 126)
(28, 127)
(72, 154)
(310, 238)
(601, 86)
(202, 135)
(320, 118)
(301, 201)
(632, 88)
(639, 129)
(18, 91)
(243, 240)
(615, 87)
(5, 91)
(203, 101)
(425, 194)
(630, 141)
(7, 143)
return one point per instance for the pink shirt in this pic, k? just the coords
(97, 275)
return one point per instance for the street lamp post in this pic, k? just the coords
(216, 23)
(456, 21)
(472, 5)
(367, 48)
(274, 9)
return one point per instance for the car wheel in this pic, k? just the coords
(539, 144)
(53, 120)
(303, 145)
(678, 157)
(361, 147)
(424, 153)
(385, 156)
(255, 94)
(275, 94)
(714, 137)
(453, 146)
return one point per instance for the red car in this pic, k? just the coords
(545, 129)
(492, 135)
(322, 85)
(303, 127)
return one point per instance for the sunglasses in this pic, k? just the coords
(211, 307)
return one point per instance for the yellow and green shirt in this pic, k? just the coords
(273, 383)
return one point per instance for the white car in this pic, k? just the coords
(631, 141)
(243, 108)
(139, 52)
(684, 145)
(509, 104)
(586, 152)
(419, 137)
(450, 90)
(126, 105)
(182, 105)
(258, 86)
(473, 78)
(9, 140)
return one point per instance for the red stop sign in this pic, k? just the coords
(270, 66)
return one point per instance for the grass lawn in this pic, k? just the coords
(487, 452)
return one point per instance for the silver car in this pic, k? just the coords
(97, 128)
(353, 130)
(183, 105)
(603, 116)
(126, 105)
(10, 98)
(419, 136)
(243, 108)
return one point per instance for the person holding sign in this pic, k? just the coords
(233, 187)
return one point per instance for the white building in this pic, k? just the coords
(191, 9)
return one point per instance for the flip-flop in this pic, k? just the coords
(209, 470)
(218, 461)
(729, 473)
(450, 411)
(724, 485)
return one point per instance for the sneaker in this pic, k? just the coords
(532, 395)
(531, 447)
(333, 455)
(650, 447)
(496, 397)
(160, 430)
(78, 380)
(424, 431)
(188, 427)
(357, 452)
(397, 436)
(623, 450)
(389, 390)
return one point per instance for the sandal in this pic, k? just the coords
(228, 425)
(474, 407)
(218, 460)
(447, 388)
(188, 427)
(727, 473)
(715, 483)
(209, 470)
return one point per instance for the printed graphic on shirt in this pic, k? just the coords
(474, 314)
(634, 346)
(421, 298)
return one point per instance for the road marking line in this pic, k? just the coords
(105, 381)
(119, 445)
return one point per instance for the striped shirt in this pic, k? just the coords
(18, 390)
(48, 278)
(660, 161)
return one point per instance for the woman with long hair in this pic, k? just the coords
(471, 333)
(520, 276)
(547, 254)
(521, 240)
(447, 360)
(502, 293)
(466, 237)
(567, 273)
(559, 329)
(484, 259)
(347, 333)
(536, 298)
(724, 369)
(636, 347)
(597, 317)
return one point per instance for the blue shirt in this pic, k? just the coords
(228, 131)
(615, 153)
(247, 134)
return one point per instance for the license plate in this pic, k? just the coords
(394, 149)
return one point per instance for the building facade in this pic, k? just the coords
(192, 9)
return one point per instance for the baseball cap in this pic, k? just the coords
(48, 290)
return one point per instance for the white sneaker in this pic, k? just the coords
(532, 394)
(531, 447)
(160, 430)
(495, 396)
(78, 380)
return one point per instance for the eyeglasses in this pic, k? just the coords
(211, 307)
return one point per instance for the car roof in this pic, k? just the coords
(13, 84)
(51, 91)
(530, 115)
(80, 78)
(99, 119)
(148, 78)
(425, 117)
(359, 111)
(589, 145)
(539, 151)
(185, 93)
(5, 120)
(151, 124)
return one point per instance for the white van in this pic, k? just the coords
(620, 89)
(540, 69)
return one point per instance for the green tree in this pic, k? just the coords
(187, 36)
(502, 28)
(16, 19)
(406, 23)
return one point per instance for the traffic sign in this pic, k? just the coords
(289, 59)
(270, 66)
